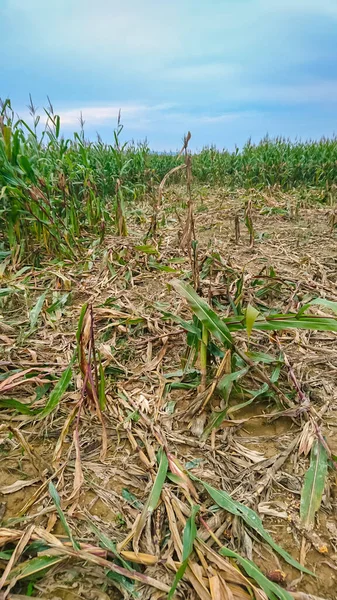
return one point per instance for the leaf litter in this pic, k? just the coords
(101, 468)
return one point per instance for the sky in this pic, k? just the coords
(227, 70)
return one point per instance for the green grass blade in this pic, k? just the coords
(204, 312)
(314, 482)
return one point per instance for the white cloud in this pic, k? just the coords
(139, 117)
(96, 115)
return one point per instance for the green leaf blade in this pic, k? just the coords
(224, 500)
(57, 393)
(35, 312)
(251, 316)
(269, 587)
(314, 483)
(203, 311)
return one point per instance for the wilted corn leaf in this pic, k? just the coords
(269, 587)
(314, 482)
(189, 535)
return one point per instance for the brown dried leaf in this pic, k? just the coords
(18, 485)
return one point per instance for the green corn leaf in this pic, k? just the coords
(6, 554)
(189, 536)
(218, 417)
(271, 589)
(224, 500)
(57, 501)
(80, 321)
(131, 499)
(34, 313)
(262, 357)
(262, 390)
(7, 291)
(251, 316)
(33, 566)
(58, 304)
(321, 302)
(26, 166)
(22, 408)
(292, 322)
(158, 483)
(222, 328)
(225, 384)
(203, 311)
(101, 388)
(314, 482)
(147, 249)
(187, 325)
(57, 393)
(107, 544)
(153, 498)
(124, 583)
(190, 533)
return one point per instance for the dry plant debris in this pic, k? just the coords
(181, 443)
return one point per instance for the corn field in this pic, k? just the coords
(56, 191)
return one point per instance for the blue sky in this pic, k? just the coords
(225, 69)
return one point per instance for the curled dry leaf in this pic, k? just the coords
(18, 485)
